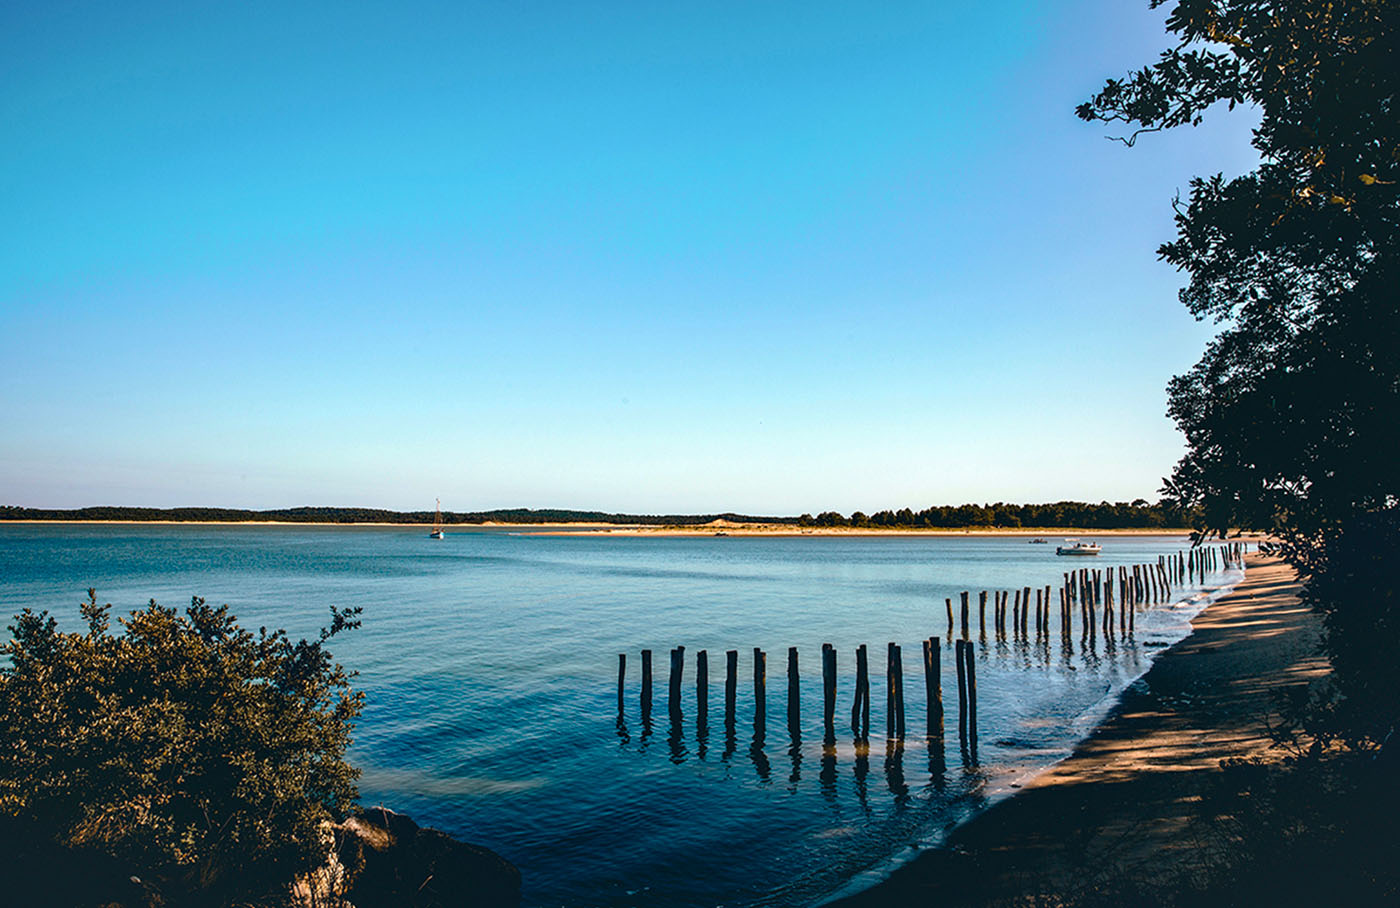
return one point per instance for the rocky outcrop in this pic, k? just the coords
(36, 871)
(377, 859)
(389, 861)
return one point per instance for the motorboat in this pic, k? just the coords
(1076, 547)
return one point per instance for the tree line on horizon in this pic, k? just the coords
(1138, 514)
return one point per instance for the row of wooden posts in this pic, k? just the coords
(860, 707)
(1091, 589)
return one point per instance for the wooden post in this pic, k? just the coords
(970, 657)
(621, 679)
(702, 688)
(794, 701)
(949, 603)
(646, 684)
(731, 683)
(673, 698)
(760, 683)
(982, 614)
(860, 711)
(960, 648)
(933, 684)
(964, 615)
(899, 690)
(891, 718)
(828, 688)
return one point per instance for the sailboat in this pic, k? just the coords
(437, 522)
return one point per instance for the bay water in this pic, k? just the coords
(489, 660)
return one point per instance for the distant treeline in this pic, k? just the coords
(1073, 514)
(1138, 514)
(368, 515)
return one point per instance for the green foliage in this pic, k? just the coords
(192, 748)
(1068, 514)
(1292, 416)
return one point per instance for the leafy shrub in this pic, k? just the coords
(200, 752)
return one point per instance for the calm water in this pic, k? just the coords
(489, 660)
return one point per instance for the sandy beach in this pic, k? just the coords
(1120, 805)
(730, 528)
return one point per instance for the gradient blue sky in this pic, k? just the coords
(647, 257)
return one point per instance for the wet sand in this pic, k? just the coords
(1120, 805)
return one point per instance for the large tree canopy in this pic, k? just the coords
(1292, 416)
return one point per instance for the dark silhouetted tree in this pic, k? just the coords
(1292, 416)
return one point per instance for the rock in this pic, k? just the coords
(392, 862)
(36, 871)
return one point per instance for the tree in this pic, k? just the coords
(200, 752)
(1292, 416)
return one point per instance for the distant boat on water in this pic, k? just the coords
(1038, 541)
(437, 522)
(1078, 548)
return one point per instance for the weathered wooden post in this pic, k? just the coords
(933, 685)
(982, 614)
(794, 700)
(673, 698)
(702, 688)
(961, 662)
(621, 679)
(828, 689)
(899, 691)
(760, 692)
(964, 615)
(861, 710)
(731, 683)
(646, 684)
(971, 659)
(949, 603)
(891, 717)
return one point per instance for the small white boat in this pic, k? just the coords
(437, 522)
(1078, 548)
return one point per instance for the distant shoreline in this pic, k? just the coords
(714, 528)
(727, 529)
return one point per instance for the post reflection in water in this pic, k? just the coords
(756, 754)
(702, 735)
(861, 770)
(937, 764)
(795, 755)
(827, 776)
(675, 737)
(894, 769)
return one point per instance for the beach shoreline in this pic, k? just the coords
(1119, 804)
(713, 528)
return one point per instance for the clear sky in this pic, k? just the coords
(646, 257)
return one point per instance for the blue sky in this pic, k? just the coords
(772, 257)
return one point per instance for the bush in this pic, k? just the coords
(201, 753)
